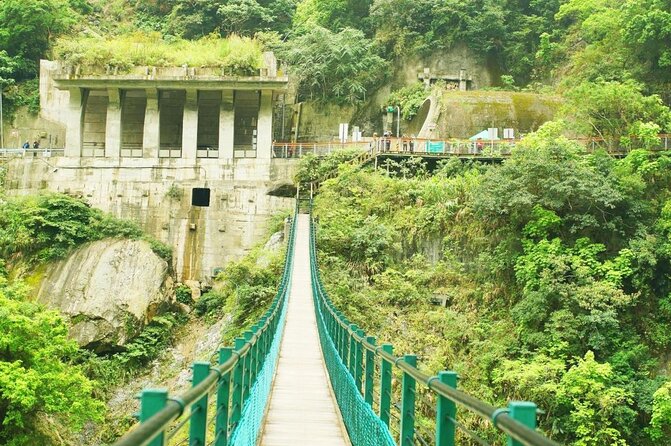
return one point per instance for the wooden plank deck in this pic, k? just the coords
(302, 410)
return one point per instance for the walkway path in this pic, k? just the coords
(302, 410)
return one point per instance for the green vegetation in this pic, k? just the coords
(236, 55)
(46, 227)
(555, 268)
(244, 290)
(410, 99)
(338, 66)
(49, 387)
(38, 374)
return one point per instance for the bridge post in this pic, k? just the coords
(223, 395)
(385, 385)
(153, 401)
(255, 356)
(247, 376)
(264, 341)
(407, 431)
(358, 360)
(198, 424)
(344, 344)
(352, 349)
(236, 403)
(370, 373)
(446, 412)
(523, 412)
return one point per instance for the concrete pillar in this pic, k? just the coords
(190, 125)
(113, 124)
(227, 125)
(265, 126)
(463, 86)
(73, 135)
(151, 138)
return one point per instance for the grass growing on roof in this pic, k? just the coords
(240, 55)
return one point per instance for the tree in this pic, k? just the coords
(647, 31)
(333, 14)
(197, 18)
(597, 408)
(27, 26)
(612, 110)
(36, 371)
(339, 67)
(660, 425)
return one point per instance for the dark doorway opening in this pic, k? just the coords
(200, 196)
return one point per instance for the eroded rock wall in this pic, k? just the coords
(108, 290)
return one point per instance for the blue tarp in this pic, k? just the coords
(482, 135)
(436, 147)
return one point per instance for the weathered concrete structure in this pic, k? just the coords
(137, 145)
(177, 112)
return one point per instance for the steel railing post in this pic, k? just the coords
(407, 430)
(370, 372)
(247, 377)
(223, 395)
(198, 423)
(236, 402)
(358, 361)
(385, 385)
(153, 401)
(446, 412)
(523, 412)
(352, 349)
(255, 356)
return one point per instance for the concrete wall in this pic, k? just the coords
(317, 119)
(158, 196)
(27, 126)
(464, 114)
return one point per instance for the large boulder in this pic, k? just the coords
(109, 290)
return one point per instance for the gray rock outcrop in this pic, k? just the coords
(109, 290)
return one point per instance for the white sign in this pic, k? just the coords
(356, 134)
(344, 130)
(493, 133)
(508, 134)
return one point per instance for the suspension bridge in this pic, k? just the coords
(305, 375)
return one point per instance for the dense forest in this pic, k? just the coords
(554, 267)
(342, 50)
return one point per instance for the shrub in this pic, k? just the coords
(237, 55)
(410, 99)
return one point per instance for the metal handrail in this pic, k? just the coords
(174, 408)
(502, 420)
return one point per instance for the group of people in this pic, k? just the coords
(383, 144)
(26, 145)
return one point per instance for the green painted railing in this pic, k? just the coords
(236, 390)
(360, 369)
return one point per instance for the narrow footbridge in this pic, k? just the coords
(304, 375)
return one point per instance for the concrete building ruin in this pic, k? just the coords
(150, 144)
(152, 112)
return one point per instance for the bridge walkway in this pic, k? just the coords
(302, 409)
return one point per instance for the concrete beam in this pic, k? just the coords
(73, 135)
(151, 139)
(113, 124)
(190, 125)
(252, 83)
(264, 139)
(226, 125)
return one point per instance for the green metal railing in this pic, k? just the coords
(358, 367)
(237, 388)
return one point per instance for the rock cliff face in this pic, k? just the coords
(108, 289)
